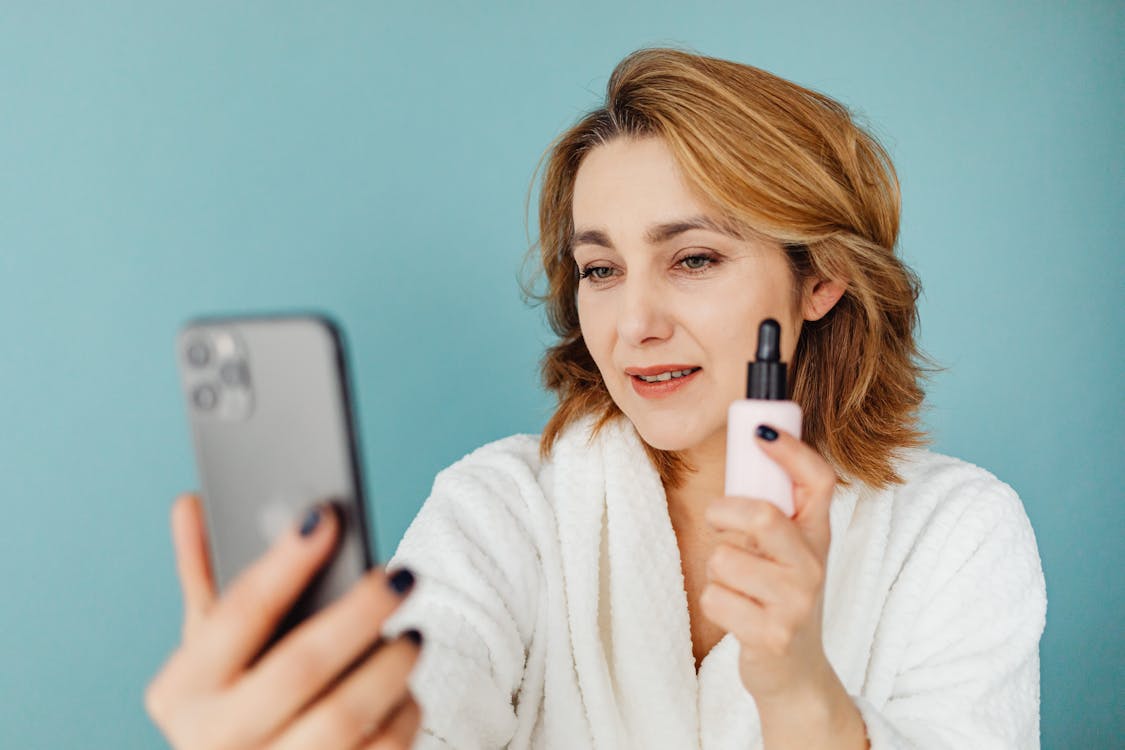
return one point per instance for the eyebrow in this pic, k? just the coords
(657, 233)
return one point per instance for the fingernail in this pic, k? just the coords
(310, 521)
(766, 433)
(414, 636)
(401, 582)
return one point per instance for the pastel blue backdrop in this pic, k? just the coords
(158, 160)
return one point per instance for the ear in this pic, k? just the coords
(820, 296)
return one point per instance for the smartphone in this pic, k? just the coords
(271, 415)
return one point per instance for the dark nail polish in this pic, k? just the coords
(401, 582)
(766, 433)
(414, 636)
(310, 521)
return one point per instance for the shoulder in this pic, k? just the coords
(487, 496)
(518, 459)
(942, 490)
(510, 460)
(492, 490)
(947, 512)
(506, 487)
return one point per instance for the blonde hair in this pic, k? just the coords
(791, 164)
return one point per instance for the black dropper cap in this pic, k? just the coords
(765, 377)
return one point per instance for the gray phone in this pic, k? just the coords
(271, 415)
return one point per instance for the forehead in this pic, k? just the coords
(632, 179)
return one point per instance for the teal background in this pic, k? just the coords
(160, 160)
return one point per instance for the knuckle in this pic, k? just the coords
(706, 598)
(344, 719)
(710, 598)
(159, 700)
(246, 603)
(304, 665)
(227, 734)
(825, 480)
(817, 573)
(762, 516)
(713, 569)
(389, 742)
(720, 559)
(155, 701)
(251, 591)
(778, 638)
(803, 606)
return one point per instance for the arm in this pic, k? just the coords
(957, 641)
(823, 716)
(767, 576)
(478, 580)
(970, 672)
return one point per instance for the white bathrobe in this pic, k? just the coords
(552, 601)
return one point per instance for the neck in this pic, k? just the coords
(706, 483)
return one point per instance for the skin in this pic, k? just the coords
(696, 298)
(303, 693)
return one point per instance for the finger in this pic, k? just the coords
(743, 618)
(813, 478)
(400, 730)
(246, 615)
(762, 580)
(768, 531)
(306, 661)
(364, 700)
(738, 539)
(189, 538)
(805, 467)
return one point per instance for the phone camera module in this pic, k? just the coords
(205, 397)
(234, 373)
(198, 354)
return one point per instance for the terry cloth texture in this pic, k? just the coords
(552, 601)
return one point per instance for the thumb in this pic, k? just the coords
(193, 566)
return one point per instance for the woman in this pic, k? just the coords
(593, 587)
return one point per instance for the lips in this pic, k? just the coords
(661, 380)
(657, 369)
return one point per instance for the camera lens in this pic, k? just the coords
(233, 373)
(198, 354)
(205, 397)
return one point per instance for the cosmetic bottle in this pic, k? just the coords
(750, 472)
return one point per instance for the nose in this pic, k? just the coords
(643, 317)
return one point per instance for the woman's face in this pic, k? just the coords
(667, 293)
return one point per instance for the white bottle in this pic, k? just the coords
(750, 473)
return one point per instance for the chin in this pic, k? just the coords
(672, 431)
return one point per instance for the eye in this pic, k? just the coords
(697, 262)
(596, 273)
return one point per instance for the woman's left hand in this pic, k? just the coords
(766, 579)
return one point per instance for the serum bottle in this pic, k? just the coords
(750, 473)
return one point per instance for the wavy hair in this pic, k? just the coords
(793, 165)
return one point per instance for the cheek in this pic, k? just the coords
(597, 328)
(727, 321)
(722, 320)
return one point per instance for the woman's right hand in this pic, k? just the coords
(327, 684)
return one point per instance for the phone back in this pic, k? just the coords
(271, 418)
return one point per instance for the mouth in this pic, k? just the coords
(660, 380)
(666, 375)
